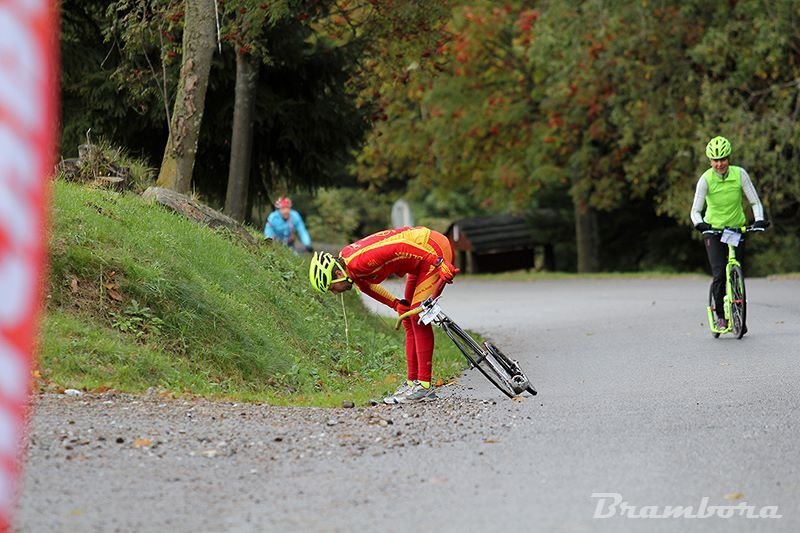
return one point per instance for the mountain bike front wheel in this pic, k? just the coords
(480, 358)
(738, 302)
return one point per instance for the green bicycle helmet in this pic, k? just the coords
(718, 148)
(320, 273)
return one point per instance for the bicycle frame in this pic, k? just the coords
(726, 300)
(447, 325)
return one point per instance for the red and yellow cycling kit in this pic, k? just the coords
(404, 251)
(423, 256)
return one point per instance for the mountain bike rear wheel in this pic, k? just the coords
(738, 302)
(712, 304)
(480, 358)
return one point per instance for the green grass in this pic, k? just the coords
(141, 298)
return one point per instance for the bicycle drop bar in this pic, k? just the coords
(425, 305)
(408, 314)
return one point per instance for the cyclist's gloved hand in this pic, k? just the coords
(702, 226)
(761, 224)
(401, 306)
(446, 270)
(310, 249)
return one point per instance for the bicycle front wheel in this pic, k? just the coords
(738, 302)
(477, 357)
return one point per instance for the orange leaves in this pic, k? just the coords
(115, 295)
(475, 18)
(526, 20)
(111, 287)
(666, 13)
(595, 47)
(508, 177)
(573, 89)
(593, 110)
(555, 121)
(496, 100)
(460, 47)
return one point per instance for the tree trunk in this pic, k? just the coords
(199, 39)
(586, 238)
(202, 214)
(242, 137)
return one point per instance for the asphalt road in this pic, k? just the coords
(636, 400)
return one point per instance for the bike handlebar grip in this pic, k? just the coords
(407, 314)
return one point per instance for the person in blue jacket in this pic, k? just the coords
(286, 225)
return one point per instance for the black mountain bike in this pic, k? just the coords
(504, 372)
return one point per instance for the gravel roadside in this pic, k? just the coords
(116, 462)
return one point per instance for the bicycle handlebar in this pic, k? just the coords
(743, 229)
(437, 291)
(408, 314)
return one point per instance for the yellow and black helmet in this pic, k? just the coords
(718, 148)
(320, 273)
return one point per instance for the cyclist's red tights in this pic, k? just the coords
(419, 349)
(419, 338)
(420, 285)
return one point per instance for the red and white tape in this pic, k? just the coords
(28, 121)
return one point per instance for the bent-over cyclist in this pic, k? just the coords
(720, 189)
(422, 255)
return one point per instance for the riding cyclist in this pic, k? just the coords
(721, 187)
(422, 255)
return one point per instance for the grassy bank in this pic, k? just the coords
(141, 298)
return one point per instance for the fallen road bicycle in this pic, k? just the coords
(504, 372)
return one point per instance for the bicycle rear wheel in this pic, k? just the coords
(712, 304)
(477, 357)
(738, 302)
